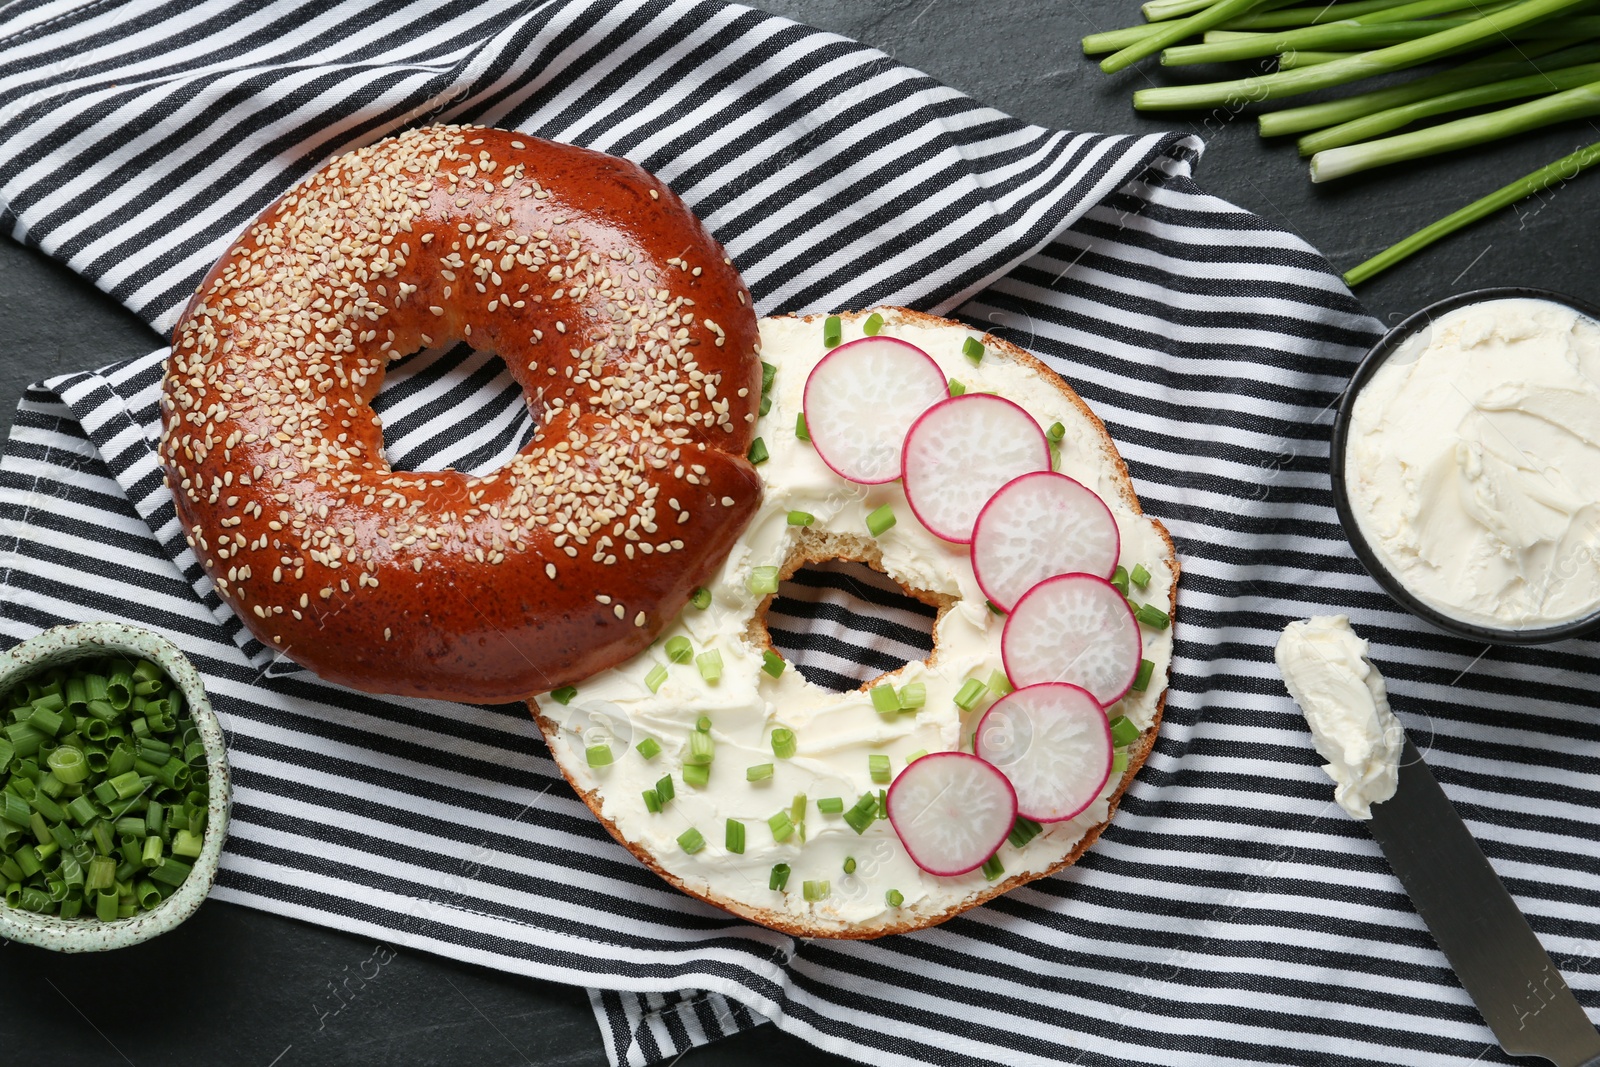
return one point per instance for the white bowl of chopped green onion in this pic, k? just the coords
(113, 788)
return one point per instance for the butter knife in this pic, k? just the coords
(1516, 986)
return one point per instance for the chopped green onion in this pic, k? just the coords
(656, 678)
(1139, 576)
(665, 788)
(880, 520)
(1123, 732)
(679, 650)
(993, 868)
(863, 814)
(873, 324)
(993, 607)
(772, 663)
(760, 772)
(878, 767)
(999, 684)
(815, 891)
(763, 580)
(849, 865)
(972, 348)
(1119, 761)
(912, 696)
(766, 405)
(127, 784)
(832, 331)
(1153, 617)
(703, 724)
(830, 805)
(1056, 432)
(710, 665)
(768, 373)
(1023, 830)
(702, 749)
(1141, 681)
(801, 518)
(652, 801)
(914, 756)
(697, 774)
(1119, 578)
(956, 387)
(598, 755)
(758, 452)
(172, 872)
(970, 693)
(45, 720)
(691, 841)
(82, 810)
(564, 695)
(649, 748)
(894, 898)
(701, 598)
(781, 825)
(735, 837)
(883, 803)
(800, 430)
(797, 809)
(884, 700)
(779, 879)
(783, 743)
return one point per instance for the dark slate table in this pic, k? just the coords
(252, 983)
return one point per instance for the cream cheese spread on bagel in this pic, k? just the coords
(835, 881)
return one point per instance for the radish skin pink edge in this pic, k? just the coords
(861, 400)
(960, 452)
(1073, 628)
(1036, 527)
(1053, 743)
(952, 812)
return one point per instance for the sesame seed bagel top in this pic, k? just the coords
(630, 334)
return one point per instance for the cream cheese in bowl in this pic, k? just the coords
(1467, 465)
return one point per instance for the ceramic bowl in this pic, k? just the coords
(65, 644)
(1370, 559)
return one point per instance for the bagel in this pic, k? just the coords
(659, 701)
(630, 334)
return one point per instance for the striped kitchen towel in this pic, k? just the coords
(1231, 913)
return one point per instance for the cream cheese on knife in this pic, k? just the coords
(1325, 666)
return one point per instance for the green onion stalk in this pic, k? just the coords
(1365, 65)
(1263, 19)
(1376, 125)
(1581, 102)
(1552, 174)
(1173, 32)
(1497, 66)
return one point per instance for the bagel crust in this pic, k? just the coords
(631, 336)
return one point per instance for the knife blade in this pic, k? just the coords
(1516, 986)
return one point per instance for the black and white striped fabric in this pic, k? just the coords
(1230, 914)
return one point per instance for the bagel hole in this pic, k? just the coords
(841, 623)
(452, 408)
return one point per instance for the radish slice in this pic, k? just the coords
(952, 811)
(959, 454)
(1036, 527)
(1073, 628)
(861, 400)
(1053, 742)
